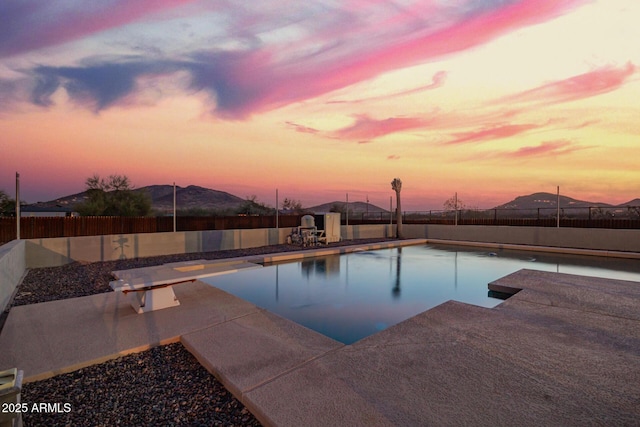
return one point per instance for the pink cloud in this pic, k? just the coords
(544, 149)
(584, 124)
(463, 34)
(437, 81)
(302, 128)
(491, 133)
(596, 82)
(366, 128)
(547, 148)
(393, 157)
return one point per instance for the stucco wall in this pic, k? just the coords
(12, 268)
(374, 231)
(62, 250)
(59, 251)
(581, 238)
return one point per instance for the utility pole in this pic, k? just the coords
(17, 206)
(347, 210)
(367, 206)
(558, 208)
(455, 204)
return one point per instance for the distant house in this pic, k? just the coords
(46, 211)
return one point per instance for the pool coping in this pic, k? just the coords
(453, 364)
(536, 248)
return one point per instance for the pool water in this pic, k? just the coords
(349, 297)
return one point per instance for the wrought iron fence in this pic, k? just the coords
(587, 216)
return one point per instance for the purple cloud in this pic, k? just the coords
(27, 25)
(97, 86)
(336, 45)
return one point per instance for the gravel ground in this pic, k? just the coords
(162, 386)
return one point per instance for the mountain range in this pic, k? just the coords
(550, 200)
(195, 197)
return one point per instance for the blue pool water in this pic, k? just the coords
(349, 297)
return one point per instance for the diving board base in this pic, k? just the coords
(153, 299)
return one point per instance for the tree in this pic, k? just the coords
(292, 205)
(251, 206)
(453, 204)
(7, 204)
(396, 185)
(599, 213)
(114, 196)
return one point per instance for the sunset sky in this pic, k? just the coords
(319, 98)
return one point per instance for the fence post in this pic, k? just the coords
(18, 215)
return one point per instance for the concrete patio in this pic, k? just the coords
(565, 350)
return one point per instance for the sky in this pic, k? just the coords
(324, 99)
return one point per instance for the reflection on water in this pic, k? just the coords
(321, 266)
(395, 292)
(349, 297)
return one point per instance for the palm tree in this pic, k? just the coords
(396, 185)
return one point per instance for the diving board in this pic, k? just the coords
(151, 288)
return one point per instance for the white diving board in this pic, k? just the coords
(151, 288)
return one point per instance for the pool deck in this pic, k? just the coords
(564, 350)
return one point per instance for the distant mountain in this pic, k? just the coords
(547, 200)
(191, 197)
(158, 191)
(195, 197)
(66, 201)
(634, 202)
(355, 207)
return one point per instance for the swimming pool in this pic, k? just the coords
(348, 297)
